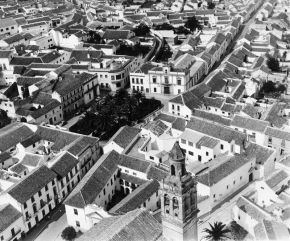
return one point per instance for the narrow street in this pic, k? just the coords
(224, 213)
(51, 225)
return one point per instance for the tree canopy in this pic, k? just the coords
(193, 24)
(142, 30)
(273, 64)
(210, 5)
(4, 119)
(68, 233)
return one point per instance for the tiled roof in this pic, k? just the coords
(58, 137)
(31, 184)
(86, 55)
(277, 178)
(207, 141)
(18, 168)
(125, 135)
(250, 110)
(214, 102)
(179, 124)
(213, 117)
(131, 179)
(8, 215)
(30, 141)
(4, 156)
(78, 146)
(156, 127)
(249, 123)
(64, 164)
(274, 115)
(135, 225)
(14, 136)
(25, 61)
(217, 82)
(252, 209)
(25, 80)
(156, 173)
(136, 198)
(239, 91)
(116, 34)
(216, 173)
(166, 118)
(32, 160)
(217, 131)
(134, 163)
(94, 181)
(5, 53)
(276, 133)
(7, 22)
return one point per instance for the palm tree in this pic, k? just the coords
(216, 232)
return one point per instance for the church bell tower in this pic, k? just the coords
(179, 200)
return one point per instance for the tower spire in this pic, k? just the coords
(179, 200)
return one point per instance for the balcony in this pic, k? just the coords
(14, 236)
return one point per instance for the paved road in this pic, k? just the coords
(46, 225)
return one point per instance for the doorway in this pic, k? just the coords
(251, 177)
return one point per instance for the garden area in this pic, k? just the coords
(135, 50)
(272, 90)
(114, 111)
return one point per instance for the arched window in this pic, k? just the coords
(172, 170)
(175, 204)
(166, 200)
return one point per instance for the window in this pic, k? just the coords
(151, 157)
(154, 79)
(32, 199)
(111, 181)
(179, 91)
(183, 141)
(214, 195)
(172, 107)
(25, 205)
(222, 146)
(179, 81)
(270, 140)
(234, 182)
(155, 90)
(206, 153)
(190, 153)
(46, 188)
(166, 79)
(178, 108)
(53, 182)
(104, 191)
(75, 211)
(190, 143)
(39, 193)
(241, 177)
(227, 186)
(78, 224)
(199, 158)
(133, 80)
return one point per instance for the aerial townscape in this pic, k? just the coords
(144, 120)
